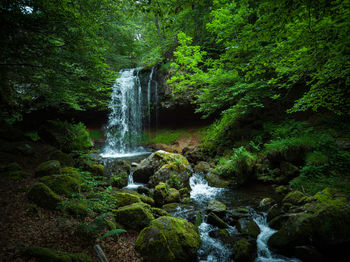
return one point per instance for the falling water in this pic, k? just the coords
(149, 96)
(124, 126)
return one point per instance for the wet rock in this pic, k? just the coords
(125, 199)
(278, 221)
(135, 216)
(203, 167)
(184, 192)
(161, 191)
(295, 198)
(273, 212)
(162, 166)
(216, 221)
(308, 254)
(281, 190)
(266, 203)
(43, 196)
(168, 239)
(245, 250)
(216, 207)
(172, 196)
(52, 167)
(248, 227)
(158, 212)
(215, 180)
(144, 190)
(195, 155)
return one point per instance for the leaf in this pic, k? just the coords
(114, 232)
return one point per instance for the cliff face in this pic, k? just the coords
(168, 109)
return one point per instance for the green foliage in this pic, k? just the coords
(114, 232)
(33, 135)
(240, 162)
(96, 134)
(168, 136)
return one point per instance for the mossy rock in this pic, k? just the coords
(147, 200)
(62, 184)
(281, 190)
(71, 171)
(161, 166)
(245, 250)
(295, 198)
(63, 158)
(43, 196)
(168, 239)
(215, 180)
(184, 192)
(77, 209)
(119, 180)
(173, 196)
(125, 199)
(266, 203)
(250, 228)
(203, 167)
(48, 168)
(96, 169)
(216, 221)
(161, 191)
(135, 216)
(216, 207)
(158, 212)
(19, 175)
(42, 254)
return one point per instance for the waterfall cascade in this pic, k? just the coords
(130, 106)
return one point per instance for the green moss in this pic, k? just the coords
(160, 193)
(77, 209)
(19, 175)
(42, 254)
(43, 196)
(124, 199)
(71, 171)
(251, 229)
(135, 216)
(62, 184)
(147, 200)
(48, 168)
(295, 198)
(173, 238)
(245, 250)
(63, 158)
(173, 196)
(158, 212)
(96, 169)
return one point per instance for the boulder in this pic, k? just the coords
(248, 227)
(216, 207)
(216, 221)
(43, 196)
(215, 180)
(295, 198)
(95, 169)
(195, 155)
(161, 191)
(168, 239)
(266, 203)
(162, 166)
(158, 212)
(62, 184)
(173, 196)
(135, 216)
(245, 250)
(125, 199)
(203, 167)
(48, 168)
(63, 158)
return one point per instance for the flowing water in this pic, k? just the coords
(130, 106)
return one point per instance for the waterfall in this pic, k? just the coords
(149, 96)
(124, 128)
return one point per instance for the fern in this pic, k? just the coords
(114, 232)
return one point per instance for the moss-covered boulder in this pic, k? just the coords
(48, 168)
(119, 172)
(62, 184)
(43, 196)
(95, 169)
(158, 212)
(216, 221)
(119, 180)
(63, 158)
(248, 227)
(295, 198)
(173, 196)
(71, 171)
(245, 250)
(215, 180)
(42, 254)
(266, 203)
(162, 166)
(135, 216)
(203, 167)
(168, 239)
(77, 209)
(216, 206)
(125, 199)
(323, 224)
(161, 191)
(184, 192)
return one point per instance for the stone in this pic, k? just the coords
(245, 250)
(168, 239)
(266, 203)
(125, 199)
(43, 196)
(161, 191)
(96, 169)
(48, 168)
(248, 227)
(135, 216)
(295, 198)
(281, 190)
(215, 180)
(62, 184)
(203, 167)
(216, 207)
(158, 212)
(63, 158)
(172, 196)
(216, 221)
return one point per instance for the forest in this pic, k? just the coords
(162, 130)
